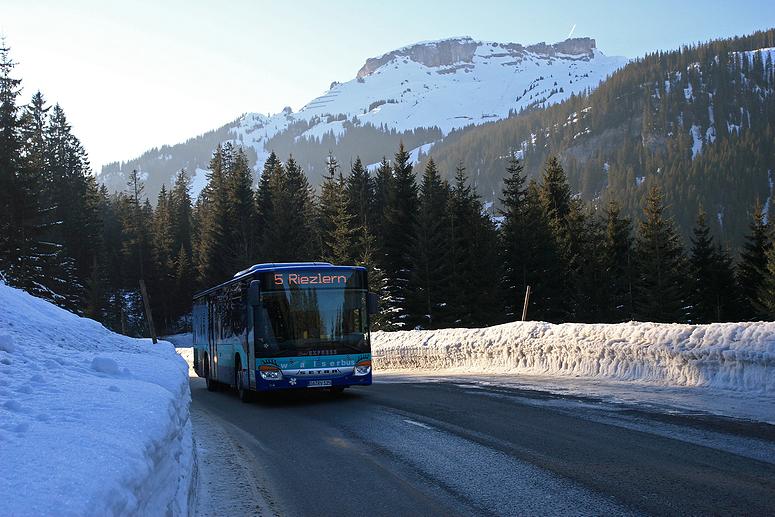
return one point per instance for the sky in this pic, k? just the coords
(139, 74)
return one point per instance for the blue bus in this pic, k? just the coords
(284, 326)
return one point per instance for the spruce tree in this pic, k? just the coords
(618, 266)
(162, 286)
(514, 236)
(753, 261)
(272, 166)
(290, 233)
(660, 283)
(341, 239)
(704, 270)
(766, 294)
(399, 223)
(21, 259)
(428, 292)
(474, 266)
(241, 216)
(328, 206)
(360, 193)
(212, 213)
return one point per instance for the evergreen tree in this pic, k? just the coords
(753, 262)
(383, 184)
(341, 239)
(705, 296)
(212, 215)
(617, 246)
(239, 198)
(514, 236)
(360, 194)
(562, 291)
(400, 218)
(272, 166)
(766, 295)
(428, 292)
(290, 233)
(328, 207)
(161, 288)
(474, 267)
(21, 260)
(660, 284)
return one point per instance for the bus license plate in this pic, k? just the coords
(319, 384)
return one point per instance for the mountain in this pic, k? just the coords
(418, 94)
(699, 121)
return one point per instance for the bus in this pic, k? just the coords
(285, 326)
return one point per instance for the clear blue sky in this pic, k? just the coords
(133, 75)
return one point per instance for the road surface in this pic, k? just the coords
(407, 447)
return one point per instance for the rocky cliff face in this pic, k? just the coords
(461, 50)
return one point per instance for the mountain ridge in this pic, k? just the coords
(417, 93)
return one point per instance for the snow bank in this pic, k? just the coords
(731, 356)
(91, 422)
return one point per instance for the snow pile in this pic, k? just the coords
(731, 356)
(91, 422)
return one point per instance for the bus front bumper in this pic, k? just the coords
(302, 382)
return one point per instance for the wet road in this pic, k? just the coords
(403, 447)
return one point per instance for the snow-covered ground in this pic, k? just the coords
(91, 422)
(725, 368)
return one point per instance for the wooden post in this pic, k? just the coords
(527, 300)
(148, 315)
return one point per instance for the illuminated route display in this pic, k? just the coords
(283, 280)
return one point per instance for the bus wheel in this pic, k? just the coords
(211, 385)
(242, 391)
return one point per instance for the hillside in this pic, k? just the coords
(417, 94)
(698, 121)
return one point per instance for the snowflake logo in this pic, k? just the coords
(292, 381)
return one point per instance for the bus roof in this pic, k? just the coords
(272, 266)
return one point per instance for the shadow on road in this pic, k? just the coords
(288, 398)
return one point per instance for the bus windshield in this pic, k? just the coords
(311, 322)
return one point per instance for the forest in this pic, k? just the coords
(435, 255)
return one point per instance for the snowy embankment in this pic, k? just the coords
(91, 422)
(729, 356)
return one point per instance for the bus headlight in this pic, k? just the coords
(363, 367)
(270, 372)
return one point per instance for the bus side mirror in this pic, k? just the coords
(373, 303)
(253, 290)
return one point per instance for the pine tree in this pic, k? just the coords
(328, 207)
(766, 294)
(400, 218)
(212, 213)
(428, 292)
(21, 260)
(562, 288)
(618, 266)
(272, 166)
(341, 239)
(660, 283)
(360, 194)
(239, 198)
(514, 236)
(290, 233)
(161, 288)
(474, 267)
(704, 297)
(383, 184)
(753, 261)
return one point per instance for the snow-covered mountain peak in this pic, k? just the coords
(420, 92)
(452, 51)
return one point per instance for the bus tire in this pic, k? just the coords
(211, 384)
(242, 391)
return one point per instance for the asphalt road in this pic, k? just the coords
(456, 448)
